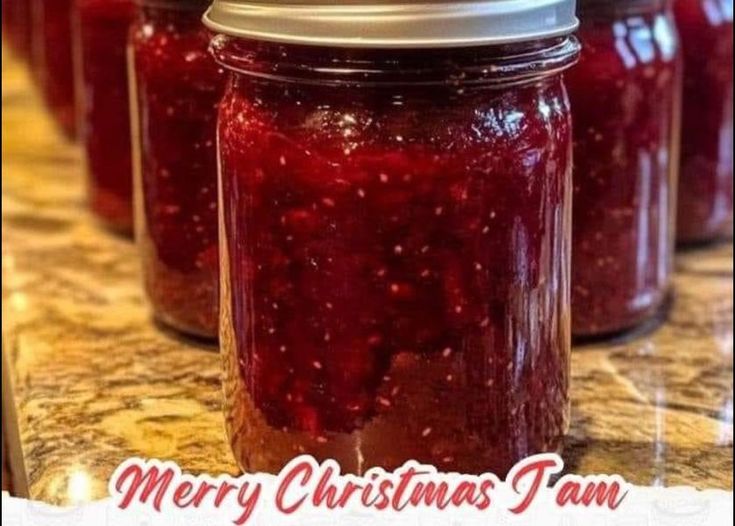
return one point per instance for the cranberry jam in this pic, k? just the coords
(625, 99)
(52, 60)
(105, 131)
(16, 24)
(178, 86)
(705, 196)
(396, 235)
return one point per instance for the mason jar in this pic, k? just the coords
(103, 27)
(395, 231)
(705, 197)
(52, 60)
(177, 86)
(16, 25)
(625, 95)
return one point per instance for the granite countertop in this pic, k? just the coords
(89, 379)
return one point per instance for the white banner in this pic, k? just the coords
(307, 493)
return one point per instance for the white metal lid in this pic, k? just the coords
(393, 23)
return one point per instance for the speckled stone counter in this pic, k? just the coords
(89, 379)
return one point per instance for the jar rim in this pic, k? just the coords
(393, 24)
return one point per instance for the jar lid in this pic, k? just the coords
(393, 23)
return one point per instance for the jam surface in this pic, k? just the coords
(178, 87)
(624, 95)
(395, 263)
(705, 185)
(52, 60)
(103, 34)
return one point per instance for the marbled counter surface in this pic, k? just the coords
(89, 380)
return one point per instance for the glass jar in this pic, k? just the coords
(177, 87)
(16, 23)
(705, 197)
(103, 27)
(52, 60)
(396, 226)
(625, 95)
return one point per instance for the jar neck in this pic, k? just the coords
(616, 8)
(501, 65)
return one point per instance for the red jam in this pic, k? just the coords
(395, 254)
(178, 87)
(625, 96)
(103, 34)
(52, 60)
(16, 21)
(705, 186)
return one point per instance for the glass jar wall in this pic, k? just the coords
(177, 87)
(103, 27)
(705, 197)
(625, 95)
(52, 60)
(396, 233)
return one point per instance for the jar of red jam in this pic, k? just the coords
(705, 196)
(103, 27)
(16, 23)
(52, 60)
(178, 86)
(395, 207)
(625, 95)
